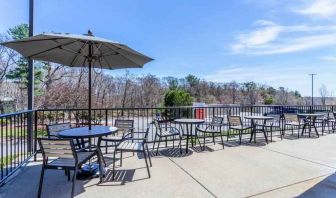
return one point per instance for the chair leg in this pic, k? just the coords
(203, 141)
(121, 158)
(100, 166)
(41, 182)
(149, 156)
(221, 136)
(145, 156)
(154, 141)
(213, 138)
(227, 135)
(73, 182)
(180, 143)
(113, 167)
(68, 174)
(157, 149)
(240, 136)
(173, 141)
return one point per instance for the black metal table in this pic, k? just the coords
(309, 121)
(188, 122)
(254, 120)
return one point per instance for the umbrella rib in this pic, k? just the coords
(76, 57)
(103, 57)
(52, 48)
(123, 55)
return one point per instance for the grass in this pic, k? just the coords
(18, 133)
(7, 160)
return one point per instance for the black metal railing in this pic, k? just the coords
(18, 144)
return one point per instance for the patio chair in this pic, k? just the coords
(293, 121)
(165, 132)
(124, 127)
(131, 144)
(331, 121)
(60, 154)
(322, 120)
(54, 129)
(213, 128)
(236, 124)
(271, 125)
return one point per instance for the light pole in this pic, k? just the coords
(312, 88)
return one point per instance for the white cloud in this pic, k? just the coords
(321, 8)
(270, 38)
(265, 34)
(329, 58)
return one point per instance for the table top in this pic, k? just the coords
(189, 121)
(84, 132)
(310, 114)
(259, 117)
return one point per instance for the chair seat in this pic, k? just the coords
(165, 133)
(67, 162)
(294, 124)
(240, 127)
(208, 130)
(112, 138)
(130, 146)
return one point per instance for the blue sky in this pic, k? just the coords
(268, 41)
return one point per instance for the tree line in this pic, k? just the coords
(59, 86)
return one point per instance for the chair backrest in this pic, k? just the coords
(58, 148)
(323, 114)
(217, 120)
(54, 129)
(234, 120)
(331, 115)
(291, 117)
(124, 126)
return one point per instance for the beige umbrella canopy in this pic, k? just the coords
(79, 51)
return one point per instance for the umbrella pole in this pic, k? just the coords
(90, 85)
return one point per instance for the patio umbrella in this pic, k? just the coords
(79, 51)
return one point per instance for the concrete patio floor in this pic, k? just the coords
(291, 167)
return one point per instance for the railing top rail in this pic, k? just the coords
(179, 107)
(16, 113)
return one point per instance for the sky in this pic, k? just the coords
(278, 43)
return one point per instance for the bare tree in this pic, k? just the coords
(324, 94)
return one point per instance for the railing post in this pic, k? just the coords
(106, 118)
(30, 131)
(35, 134)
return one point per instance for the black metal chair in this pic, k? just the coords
(54, 129)
(165, 132)
(213, 128)
(60, 154)
(270, 125)
(124, 127)
(236, 124)
(293, 121)
(322, 120)
(131, 144)
(331, 121)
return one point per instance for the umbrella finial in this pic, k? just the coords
(89, 33)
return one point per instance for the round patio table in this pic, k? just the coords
(310, 121)
(188, 122)
(254, 120)
(84, 132)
